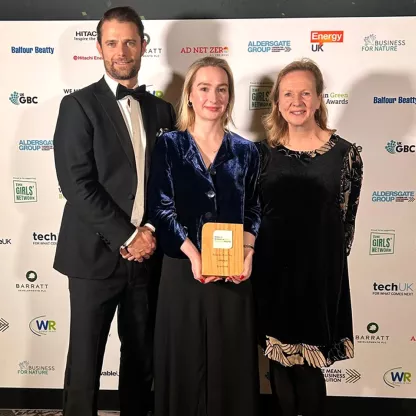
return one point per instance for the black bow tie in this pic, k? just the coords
(137, 93)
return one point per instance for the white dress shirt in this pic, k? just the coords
(125, 111)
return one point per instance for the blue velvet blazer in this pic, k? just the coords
(183, 194)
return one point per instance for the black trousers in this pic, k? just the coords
(298, 390)
(93, 305)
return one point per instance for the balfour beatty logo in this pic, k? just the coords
(35, 49)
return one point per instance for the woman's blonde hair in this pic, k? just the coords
(276, 126)
(186, 113)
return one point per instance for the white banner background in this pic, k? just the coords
(34, 323)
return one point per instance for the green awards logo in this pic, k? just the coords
(382, 242)
(25, 190)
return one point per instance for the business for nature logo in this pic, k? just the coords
(382, 242)
(266, 46)
(372, 44)
(394, 147)
(26, 369)
(393, 196)
(25, 190)
(319, 38)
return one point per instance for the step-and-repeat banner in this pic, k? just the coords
(369, 67)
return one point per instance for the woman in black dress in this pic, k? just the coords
(205, 342)
(309, 190)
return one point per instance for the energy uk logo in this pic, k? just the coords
(18, 98)
(321, 37)
(394, 147)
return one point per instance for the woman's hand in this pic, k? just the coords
(248, 262)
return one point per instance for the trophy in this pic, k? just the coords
(222, 249)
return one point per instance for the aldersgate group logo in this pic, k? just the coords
(4, 325)
(394, 147)
(372, 44)
(396, 377)
(266, 46)
(382, 242)
(18, 98)
(393, 196)
(319, 38)
(35, 145)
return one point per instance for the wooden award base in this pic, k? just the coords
(222, 249)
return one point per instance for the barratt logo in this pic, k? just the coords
(321, 37)
(372, 44)
(382, 242)
(259, 96)
(151, 51)
(34, 285)
(394, 147)
(372, 336)
(25, 190)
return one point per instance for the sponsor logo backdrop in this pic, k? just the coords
(371, 95)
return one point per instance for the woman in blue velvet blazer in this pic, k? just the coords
(205, 346)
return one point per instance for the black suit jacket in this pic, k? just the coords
(96, 170)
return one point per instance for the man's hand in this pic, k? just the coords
(142, 246)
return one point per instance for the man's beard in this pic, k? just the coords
(122, 74)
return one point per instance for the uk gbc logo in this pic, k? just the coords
(394, 147)
(18, 98)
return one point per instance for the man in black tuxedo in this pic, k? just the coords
(103, 140)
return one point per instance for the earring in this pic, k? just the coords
(189, 104)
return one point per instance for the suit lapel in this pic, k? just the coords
(109, 103)
(150, 120)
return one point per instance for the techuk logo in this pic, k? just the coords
(321, 37)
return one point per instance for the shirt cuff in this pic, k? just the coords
(150, 227)
(131, 238)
